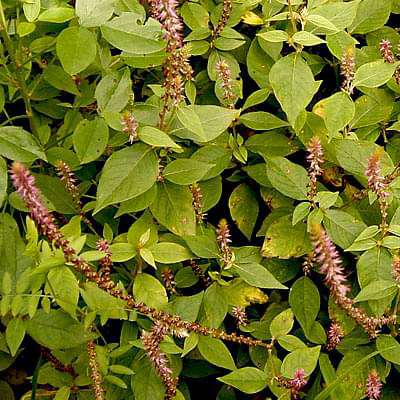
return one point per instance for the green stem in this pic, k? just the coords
(19, 73)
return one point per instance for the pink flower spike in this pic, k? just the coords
(374, 386)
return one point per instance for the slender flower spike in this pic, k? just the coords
(225, 77)
(335, 336)
(315, 159)
(223, 20)
(224, 240)
(347, 70)
(385, 47)
(329, 260)
(296, 384)
(129, 126)
(239, 313)
(396, 269)
(374, 386)
(378, 184)
(94, 371)
(69, 180)
(197, 197)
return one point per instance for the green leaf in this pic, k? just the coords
(243, 206)
(248, 380)
(173, 208)
(384, 342)
(63, 393)
(371, 15)
(262, 121)
(167, 253)
(154, 137)
(293, 84)
(288, 178)
(3, 179)
(92, 13)
(322, 22)
(391, 242)
(215, 352)
(270, 144)
(128, 173)
(304, 300)
(76, 48)
(300, 212)
(376, 290)
(307, 39)
(275, 36)
(215, 306)
(328, 108)
(255, 98)
(57, 15)
(185, 171)
(121, 252)
(57, 77)
(257, 275)
(203, 123)
(150, 291)
(65, 288)
(342, 227)
(31, 10)
(56, 330)
(15, 334)
(146, 384)
(187, 307)
(126, 34)
(19, 145)
(282, 324)
(90, 139)
(296, 241)
(305, 358)
(204, 246)
(374, 74)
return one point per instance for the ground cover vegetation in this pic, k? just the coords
(199, 199)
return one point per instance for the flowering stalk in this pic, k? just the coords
(197, 202)
(176, 68)
(205, 280)
(385, 47)
(24, 183)
(373, 386)
(151, 342)
(169, 281)
(396, 269)
(223, 20)
(69, 180)
(296, 384)
(94, 371)
(224, 75)
(376, 182)
(315, 159)
(224, 240)
(335, 336)
(129, 126)
(105, 263)
(330, 263)
(239, 313)
(348, 70)
(56, 363)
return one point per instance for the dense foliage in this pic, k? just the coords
(199, 199)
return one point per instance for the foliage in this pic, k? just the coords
(199, 192)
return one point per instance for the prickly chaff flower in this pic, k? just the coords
(348, 70)
(373, 387)
(315, 158)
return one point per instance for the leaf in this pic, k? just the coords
(121, 252)
(63, 393)
(57, 15)
(262, 121)
(204, 246)
(90, 139)
(185, 171)
(126, 34)
(150, 291)
(257, 97)
(243, 206)
(15, 334)
(293, 84)
(215, 352)
(376, 290)
(65, 288)
(322, 22)
(384, 342)
(270, 144)
(173, 208)
(154, 137)
(374, 74)
(275, 36)
(56, 330)
(305, 358)
(167, 253)
(214, 307)
(92, 13)
(76, 48)
(248, 380)
(57, 77)
(304, 300)
(282, 324)
(3, 179)
(371, 15)
(128, 173)
(307, 39)
(31, 10)
(328, 108)
(146, 384)
(287, 177)
(187, 307)
(19, 145)
(257, 275)
(296, 241)
(342, 227)
(203, 123)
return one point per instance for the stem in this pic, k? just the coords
(292, 17)
(19, 73)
